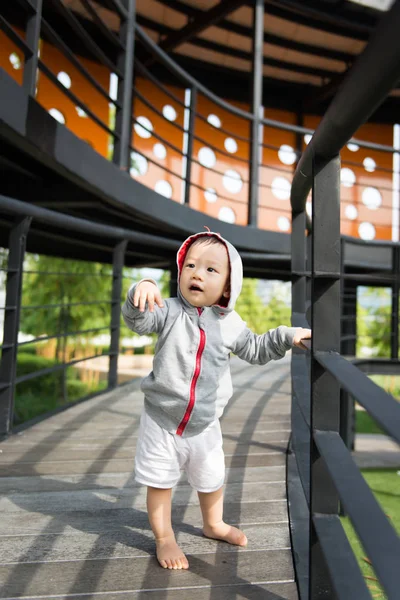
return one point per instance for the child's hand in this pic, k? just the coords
(300, 338)
(147, 292)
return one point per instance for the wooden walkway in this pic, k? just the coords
(73, 521)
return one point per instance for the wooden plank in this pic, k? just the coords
(36, 483)
(105, 498)
(257, 591)
(73, 522)
(132, 542)
(45, 579)
(122, 466)
(123, 448)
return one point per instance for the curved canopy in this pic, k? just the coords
(308, 46)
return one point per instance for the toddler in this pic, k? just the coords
(190, 384)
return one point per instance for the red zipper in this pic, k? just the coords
(192, 398)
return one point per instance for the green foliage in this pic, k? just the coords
(384, 484)
(48, 385)
(163, 284)
(64, 282)
(258, 316)
(366, 424)
(44, 393)
(374, 322)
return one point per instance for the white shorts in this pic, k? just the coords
(161, 456)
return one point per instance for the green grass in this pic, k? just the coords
(390, 383)
(366, 424)
(385, 484)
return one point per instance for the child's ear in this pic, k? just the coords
(227, 292)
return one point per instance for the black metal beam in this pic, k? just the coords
(190, 139)
(381, 406)
(354, 103)
(115, 325)
(325, 324)
(202, 21)
(269, 38)
(257, 89)
(125, 63)
(312, 14)
(394, 346)
(8, 363)
(343, 568)
(323, 93)
(376, 534)
(32, 40)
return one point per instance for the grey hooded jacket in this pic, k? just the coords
(191, 382)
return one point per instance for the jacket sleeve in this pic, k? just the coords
(143, 322)
(260, 349)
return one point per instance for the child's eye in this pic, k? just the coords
(211, 269)
(190, 265)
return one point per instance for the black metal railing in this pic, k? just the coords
(320, 459)
(323, 464)
(117, 248)
(122, 48)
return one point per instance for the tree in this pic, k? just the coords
(374, 322)
(261, 317)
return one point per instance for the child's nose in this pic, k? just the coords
(198, 274)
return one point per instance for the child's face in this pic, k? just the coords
(205, 275)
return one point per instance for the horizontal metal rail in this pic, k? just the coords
(14, 37)
(345, 573)
(16, 207)
(55, 368)
(58, 42)
(381, 406)
(80, 31)
(378, 538)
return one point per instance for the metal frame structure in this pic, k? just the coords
(321, 471)
(324, 464)
(117, 53)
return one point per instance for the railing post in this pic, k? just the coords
(118, 263)
(32, 41)
(298, 250)
(8, 365)
(173, 282)
(125, 63)
(189, 148)
(394, 345)
(325, 320)
(257, 90)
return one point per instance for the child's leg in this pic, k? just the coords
(212, 506)
(169, 555)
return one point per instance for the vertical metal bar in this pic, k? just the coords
(8, 365)
(173, 282)
(257, 89)
(32, 41)
(396, 184)
(325, 318)
(125, 63)
(394, 345)
(298, 245)
(189, 150)
(115, 329)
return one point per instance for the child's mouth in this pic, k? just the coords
(195, 288)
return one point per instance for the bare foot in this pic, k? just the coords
(169, 555)
(227, 533)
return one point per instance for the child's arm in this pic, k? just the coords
(144, 310)
(273, 345)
